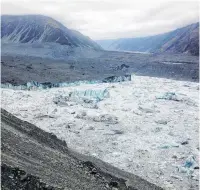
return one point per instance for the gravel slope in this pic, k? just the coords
(34, 159)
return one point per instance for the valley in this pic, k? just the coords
(77, 116)
(103, 64)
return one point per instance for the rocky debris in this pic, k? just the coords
(162, 121)
(90, 128)
(41, 116)
(106, 118)
(72, 67)
(51, 165)
(118, 132)
(115, 132)
(29, 66)
(15, 178)
(81, 115)
(175, 157)
(61, 100)
(70, 125)
(122, 67)
(117, 79)
(184, 142)
(157, 129)
(61, 72)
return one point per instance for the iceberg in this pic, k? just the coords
(87, 98)
(169, 96)
(97, 95)
(34, 85)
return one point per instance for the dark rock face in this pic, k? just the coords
(123, 66)
(15, 178)
(117, 79)
(38, 28)
(182, 40)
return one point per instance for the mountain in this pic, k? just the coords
(41, 29)
(182, 40)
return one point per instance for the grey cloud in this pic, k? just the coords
(103, 19)
(168, 9)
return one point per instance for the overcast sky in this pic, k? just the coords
(105, 19)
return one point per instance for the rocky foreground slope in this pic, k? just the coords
(182, 40)
(34, 159)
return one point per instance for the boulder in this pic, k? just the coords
(117, 79)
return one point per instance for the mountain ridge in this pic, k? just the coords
(42, 29)
(181, 40)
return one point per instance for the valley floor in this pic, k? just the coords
(99, 66)
(148, 126)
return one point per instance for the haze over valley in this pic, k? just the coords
(182, 40)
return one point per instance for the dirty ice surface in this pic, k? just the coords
(148, 126)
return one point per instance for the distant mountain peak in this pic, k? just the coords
(40, 28)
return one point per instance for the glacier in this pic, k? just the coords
(137, 126)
